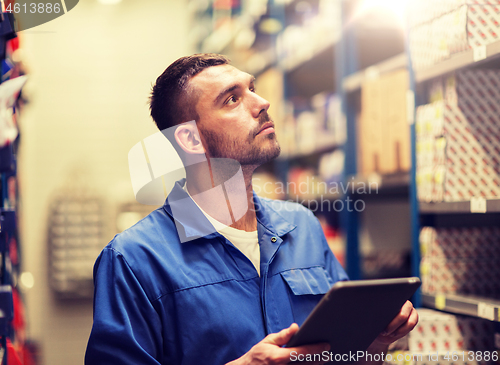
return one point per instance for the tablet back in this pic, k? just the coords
(353, 313)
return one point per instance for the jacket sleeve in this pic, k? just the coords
(127, 328)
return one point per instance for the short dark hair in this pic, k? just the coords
(172, 101)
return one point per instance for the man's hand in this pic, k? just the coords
(399, 327)
(269, 350)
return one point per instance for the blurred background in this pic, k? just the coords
(363, 93)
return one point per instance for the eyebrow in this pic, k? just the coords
(230, 89)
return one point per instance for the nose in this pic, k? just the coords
(260, 105)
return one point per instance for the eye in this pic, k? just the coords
(233, 99)
(252, 89)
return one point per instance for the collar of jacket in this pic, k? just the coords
(191, 223)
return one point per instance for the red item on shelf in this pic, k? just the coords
(18, 321)
(14, 257)
(13, 44)
(12, 355)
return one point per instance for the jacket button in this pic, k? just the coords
(274, 239)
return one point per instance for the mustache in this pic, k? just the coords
(264, 117)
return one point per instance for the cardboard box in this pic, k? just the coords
(456, 30)
(442, 338)
(443, 332)
(424, 178)
(460, 276)
(383, 130)
(472, 152)
(269, 86)
(370, 127)
(438, 183)
(396, 149)
(458, 139)
(476, 86)
(466, 182)
(423, 11)
(461, 260)
(460, 242)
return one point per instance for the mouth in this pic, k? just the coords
(266, 128)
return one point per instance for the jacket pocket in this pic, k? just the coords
(306, 288)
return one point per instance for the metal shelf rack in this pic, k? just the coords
(486, 308)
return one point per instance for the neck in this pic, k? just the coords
(224, 191)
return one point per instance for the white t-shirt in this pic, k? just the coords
(246, 242)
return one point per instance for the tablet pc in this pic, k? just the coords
(353, 313)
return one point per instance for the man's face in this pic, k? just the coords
(233, 119)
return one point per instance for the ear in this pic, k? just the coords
(188, 138)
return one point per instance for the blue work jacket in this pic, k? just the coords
(162, 300)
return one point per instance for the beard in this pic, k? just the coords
(248, 151)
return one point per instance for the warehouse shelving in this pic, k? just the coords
(460, 60)
(475, 212)
(486, 308)
(268, 58)
(388, 185)
(475, 206)
(343, 67)
(421, 211)
(12, 320)
(353, 82)
(323, 144)
(288, 63)
(360, 48)
(363, 52)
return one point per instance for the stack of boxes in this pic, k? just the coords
(424, 11)
(443, 332)
(442, 28)
(458, 138)
(383, 130)
(442, 338)
(460, 260)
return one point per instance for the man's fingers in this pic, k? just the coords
(281, 338)
(400, 319)
(407, 326)
(393, 334)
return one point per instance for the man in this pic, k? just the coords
(167, 291)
